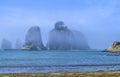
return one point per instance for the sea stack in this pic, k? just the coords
(33, 40)
(62, 38)
(6, 44)
(115, 47)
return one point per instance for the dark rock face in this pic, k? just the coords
(33, 39)
(6, 44)
(62, 38)
(115, 47)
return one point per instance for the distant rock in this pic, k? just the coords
(33, 39)
(18, 44)
(115, 47)
(62, 38)
(6, 44)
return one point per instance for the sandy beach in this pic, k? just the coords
(79, 74)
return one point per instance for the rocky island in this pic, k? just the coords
(115, 47)
(62, 38)
(33, 40)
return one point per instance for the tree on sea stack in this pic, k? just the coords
(33, 40)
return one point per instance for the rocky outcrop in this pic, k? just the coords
(62, 38)
(115, 47)
(33, 39)
(6, 44)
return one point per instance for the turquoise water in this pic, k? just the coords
(57, 61)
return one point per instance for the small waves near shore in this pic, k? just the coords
(57, 61)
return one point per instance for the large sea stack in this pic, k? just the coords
(33, 39)
(6, 44)
(62, 38)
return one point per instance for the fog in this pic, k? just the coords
(98, 20)
(62, 38)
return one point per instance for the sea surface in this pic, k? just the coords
(57, 61)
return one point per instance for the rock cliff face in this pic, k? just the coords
(33, 39)
(115, 47)
(62, 38)
(6, 44)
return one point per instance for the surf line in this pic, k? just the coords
(74, 65)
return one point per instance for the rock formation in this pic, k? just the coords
(33, 39)
(6, 44)
(62, 38)
(115, 47)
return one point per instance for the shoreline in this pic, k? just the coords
(66, 74)
(50, 50)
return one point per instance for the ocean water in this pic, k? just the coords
(57, 61)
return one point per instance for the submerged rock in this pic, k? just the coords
(6, 44)
(62, 38)
(33, 39)
(115, 47)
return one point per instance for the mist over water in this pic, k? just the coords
(78, 30)
(97, 20)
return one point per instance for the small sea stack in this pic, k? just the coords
(115, 47)
(33, 40)
(6, 44)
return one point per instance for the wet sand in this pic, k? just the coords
(79, 74)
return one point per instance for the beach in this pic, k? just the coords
(77, 74)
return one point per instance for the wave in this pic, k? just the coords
(35, 66)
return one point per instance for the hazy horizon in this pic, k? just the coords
(98, 20)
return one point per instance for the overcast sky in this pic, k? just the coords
(99, 20)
